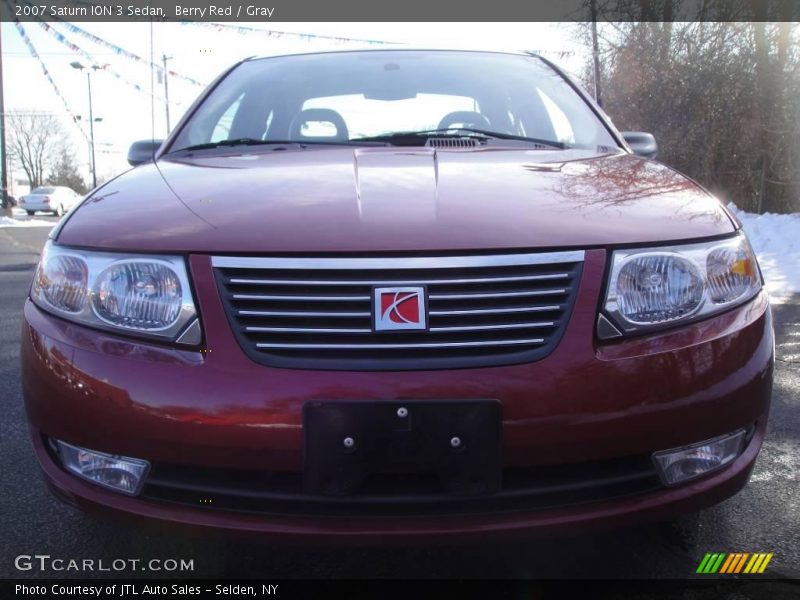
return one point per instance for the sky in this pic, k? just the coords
(200, 52)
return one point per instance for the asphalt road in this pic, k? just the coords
(20, 246)
(765, 516)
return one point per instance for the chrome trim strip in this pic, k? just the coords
(490, 327)
(192, 335)
(496, 295)
(411, 262)
(289, 313)
(307, 330)
(366, 330)
(301, 298)
(400, 346)
(397, 282)
(489, 311)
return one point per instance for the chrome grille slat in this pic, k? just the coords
(412, 262)
(282, 297)
(496, 295)
(488, 311)
(288, 313)
(317, 313)
(306, 330)
(391, 282)
(432, 329)
(399, 346)
(494, 327)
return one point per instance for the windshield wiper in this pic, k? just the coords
(401, 136)
(223, 143)
(256, 142)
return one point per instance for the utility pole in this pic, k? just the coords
(91, 129)
(4, 160)
(164, 59)
(80, 67)
(596, 55)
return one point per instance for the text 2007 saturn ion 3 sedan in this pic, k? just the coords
(397, 295)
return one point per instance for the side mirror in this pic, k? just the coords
(142, 151)
(642, 144)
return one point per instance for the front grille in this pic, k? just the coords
(412, 494)
(318, 312)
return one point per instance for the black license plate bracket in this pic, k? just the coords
(459, 441)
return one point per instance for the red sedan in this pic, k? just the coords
(397, 295)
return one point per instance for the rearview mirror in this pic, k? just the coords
(143, 151)
(642, 144)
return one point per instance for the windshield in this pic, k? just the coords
(341, 97)
(43, 190)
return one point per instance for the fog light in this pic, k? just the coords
(119, 473)
(684, 464)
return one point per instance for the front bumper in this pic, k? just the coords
(421, 529)
(217, 409)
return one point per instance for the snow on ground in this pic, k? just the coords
(21, 219)
(776, 241)
(27, 222)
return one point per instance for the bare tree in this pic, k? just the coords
(34, 143)
(720, 95)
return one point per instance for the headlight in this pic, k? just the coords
(655, 287)
(140, 294)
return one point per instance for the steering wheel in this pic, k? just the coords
(465, 118)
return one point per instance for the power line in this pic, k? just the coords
(122, 52)
(117, 50)
(26, 55)
(61, 38)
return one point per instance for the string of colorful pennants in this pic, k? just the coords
(118, 50)
(122, 52)
(75, 48)
(32, 49)
(241, 29)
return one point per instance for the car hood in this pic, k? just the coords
(345, 199)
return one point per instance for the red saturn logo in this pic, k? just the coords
(399, 308)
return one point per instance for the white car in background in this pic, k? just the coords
(55, 199)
